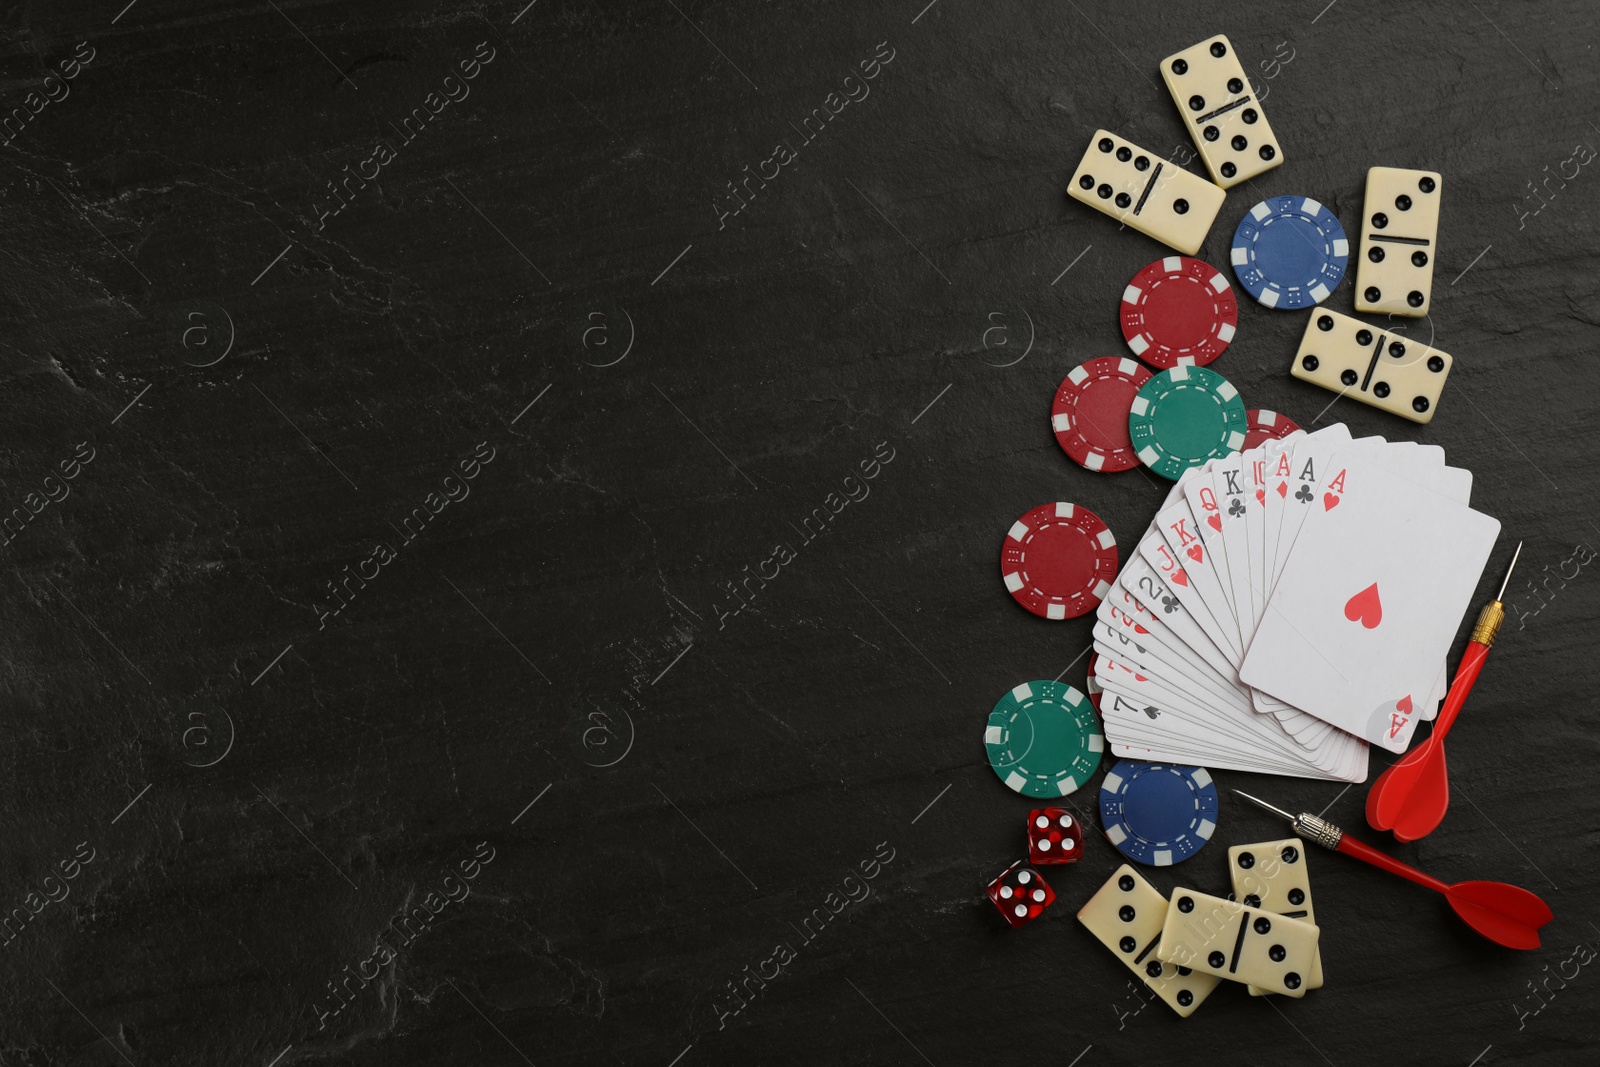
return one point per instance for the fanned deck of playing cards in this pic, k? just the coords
(1290, 605)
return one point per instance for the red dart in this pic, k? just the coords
(1412, 796)
(1503, 913)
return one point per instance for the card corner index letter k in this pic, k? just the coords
(1365, 607)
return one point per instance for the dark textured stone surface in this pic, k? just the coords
(573, 611)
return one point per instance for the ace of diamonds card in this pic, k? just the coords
(1369, 601)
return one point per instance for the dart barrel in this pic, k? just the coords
(1488, 625)
(1318, 830)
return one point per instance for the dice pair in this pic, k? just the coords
(1020, 893)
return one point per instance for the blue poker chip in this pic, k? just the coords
(1158, 813)
(1290, 252)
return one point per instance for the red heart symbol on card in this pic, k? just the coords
(1196, 552)
(1328, 501)
(1215, 521)
(1365, 607)
(1179, 578)
(1283, 489)
(1404, 704)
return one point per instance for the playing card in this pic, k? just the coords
(1145, 724)
(1255, 513)
(1196, 554)
(1256, 518)
(1162, 614)
(1158, 718)
(1153, 549)
(1424, 466)
(1125, 620)
(1137, 711)
(1228, 481)
(1309, 465)
(1202, 498)
(1307, 460)
(1369, 600)
(1150, 592)
(1147, 651)
(1213, 707)
(1220, 709)
(1280, 470)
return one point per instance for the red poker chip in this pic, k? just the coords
(1267, 426)
(1091, 684)
(1059, 560)
(1090, 413)
(1178, 310)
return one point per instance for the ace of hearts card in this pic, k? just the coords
(1369, 601)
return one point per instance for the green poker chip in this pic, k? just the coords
(1185, 416)
(1043, 739)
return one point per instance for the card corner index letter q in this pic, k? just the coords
(1399, 241)
(1224, 117)
(1145, 192)
(1389, 371)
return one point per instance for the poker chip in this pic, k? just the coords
(1058, 560)
(1264, 425)
(1090, 413)
(1158, 813)
(1043, 739)
(1289, 252)
(1183, 417)
(1091, 684)
(1178, 310)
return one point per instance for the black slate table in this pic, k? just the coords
(503, 505)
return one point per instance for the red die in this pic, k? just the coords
(1054, 836)
(1020, 894)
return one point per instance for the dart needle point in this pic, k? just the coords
(1263, 804)
(1509, 568)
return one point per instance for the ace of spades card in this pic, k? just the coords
(1369, 601)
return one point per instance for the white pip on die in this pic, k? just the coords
(1144, 191)
(1272, 875)
(1224, 117)
(1399, 241)
(1390, 371)
(1127, 915)
(1239, 943)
